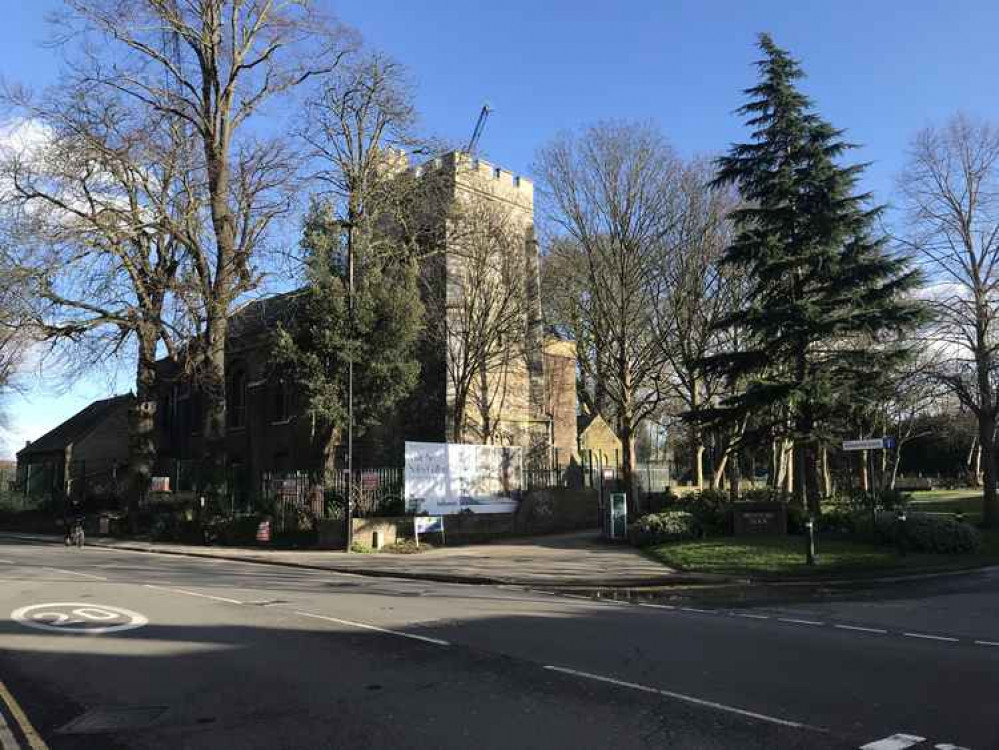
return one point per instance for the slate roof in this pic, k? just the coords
(76, 427)
(264, 314)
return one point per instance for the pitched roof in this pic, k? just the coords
(76, 427)
(264, 314)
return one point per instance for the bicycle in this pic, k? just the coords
(75, 536)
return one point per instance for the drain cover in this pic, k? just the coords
(114, 719)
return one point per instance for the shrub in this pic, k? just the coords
(711, 511)
(926, 533)
(762, 495)
(657, 528)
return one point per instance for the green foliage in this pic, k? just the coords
(822, 286)
(361, 548)
(314, 349)
(710, 510)
(657, 528)
(926, 533)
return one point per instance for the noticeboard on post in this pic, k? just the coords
(447, 478)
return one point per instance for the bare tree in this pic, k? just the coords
(15, 334)
(482, 317)
(951, 193)
(356, 127)
(692, 294)
(212, 65)
(87, 208)
(612, 190)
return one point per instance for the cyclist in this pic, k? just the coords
(73, 523)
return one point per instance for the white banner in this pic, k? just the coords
(448, 478)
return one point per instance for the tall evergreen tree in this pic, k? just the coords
(827, 308)
(311, 353)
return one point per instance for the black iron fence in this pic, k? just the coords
(300, 497)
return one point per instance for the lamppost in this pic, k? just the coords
(349, 510)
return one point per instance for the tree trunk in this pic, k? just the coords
(718, 475)
(799, 464)
(142, 426)
(987, 441)
(827, 488)
(212, 384)
(628, 460)
(734, 478)
(813, 498)
(865, 480)
(697, 443)
(789, 467)
(227, 271)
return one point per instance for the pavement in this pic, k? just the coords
(112, 649)
(579, 559)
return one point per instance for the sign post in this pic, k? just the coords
(870, 444)
(617, 516)
(428, 525)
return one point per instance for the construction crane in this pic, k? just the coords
(479, 127)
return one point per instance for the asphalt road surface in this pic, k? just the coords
(110, 649)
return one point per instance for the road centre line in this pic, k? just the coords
(9, 562)
(365, 626)
(685, 698)
(75, 573)
(791, 621)
(859, 629)
(193, 593)
(35, 741)
(895, 742)
(932, 637)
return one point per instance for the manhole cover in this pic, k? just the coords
(112, 719)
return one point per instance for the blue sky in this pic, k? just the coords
(882, 70)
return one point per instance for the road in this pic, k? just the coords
(224, 654)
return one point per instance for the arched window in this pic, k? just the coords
(236, 400)
(280, 400)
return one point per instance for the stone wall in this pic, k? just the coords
(331, 532)
(540, 512)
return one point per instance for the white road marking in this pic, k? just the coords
(76, 573)
(895, 742)
(695, 609)
(365, 626)
(194, 593)
(799, 622)
(656, 606)
(751, 616)
(78, 618)
(7, 740)
(932, 637)
(947, 746)
(859, 629)
(35, 742)
(986, 643)
(682, 697)
(9, 562)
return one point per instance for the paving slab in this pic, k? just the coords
(579, 559)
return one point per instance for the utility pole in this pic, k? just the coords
(349, 536)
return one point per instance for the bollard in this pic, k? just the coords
(901, 533)
(810, 540)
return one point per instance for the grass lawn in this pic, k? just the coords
(967, 501)
(760, 557)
